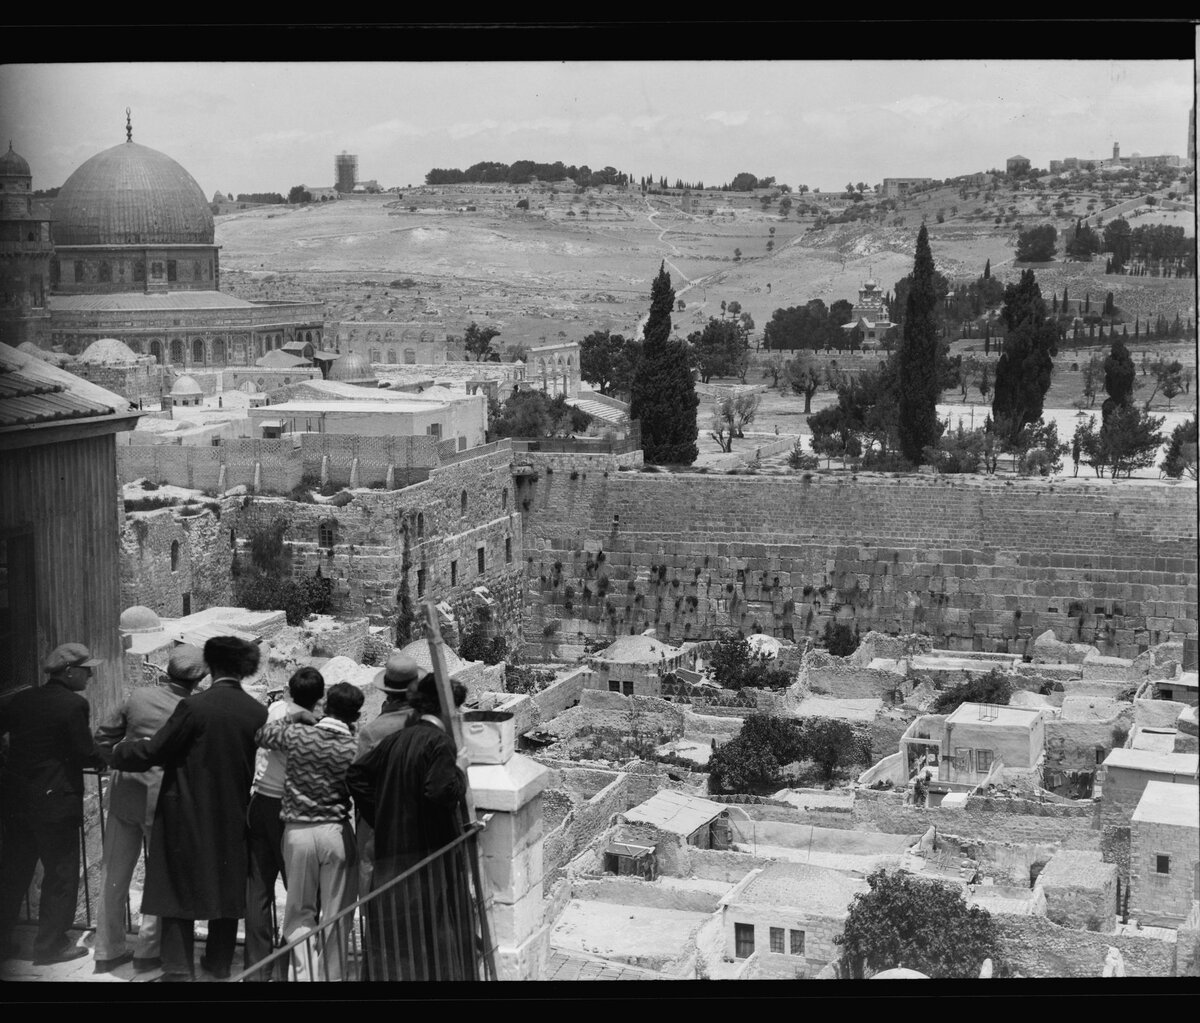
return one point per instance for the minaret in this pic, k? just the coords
(25, 254)
(1116, 152)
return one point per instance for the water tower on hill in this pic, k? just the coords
(345, 171)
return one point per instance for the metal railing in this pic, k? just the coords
(428, 923)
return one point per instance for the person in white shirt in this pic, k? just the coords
(265, 827)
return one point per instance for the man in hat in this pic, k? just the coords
(397, 675)
(198, 857)
(132, 799)
(410, 788)
(42, 797)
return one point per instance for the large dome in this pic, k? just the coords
(131, 195)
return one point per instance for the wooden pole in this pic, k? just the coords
(450, 713)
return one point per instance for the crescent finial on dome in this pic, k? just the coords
(128, 126)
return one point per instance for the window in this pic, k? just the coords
(614, 686)
(174, 555)
(1100, 754)
(454, 573)
(777, 940)
(326, 535)
(420, 582)
(105, 271)
(627, 688)
(420, 525)
(504, 499)
(508, 550)
(139, 269)
(797, 942)
(435, 431)
(1162, 864)
(479, 559)
(462, 443)
(187, 604)
(962, 760)
(78, 270)
(983, 760)
(463, 503)
(172, 270)
(743, 940)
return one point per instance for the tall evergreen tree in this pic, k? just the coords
(1120, 376)
(987, 270)
(918, 357)
(663, 396)
(1023, 371)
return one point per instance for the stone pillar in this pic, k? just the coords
(511, 850)
(324, 471)
(390, 481)
(257, 477)
(354, 474)
(221, 484)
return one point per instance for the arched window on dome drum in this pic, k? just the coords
(391, 356)
(198, 352)
(172, 270)
(218, 351)
(177, 352)
(156, 351)
(174, 555)
(139, 270)
(410, 357)
(375, 356)
(105, 272)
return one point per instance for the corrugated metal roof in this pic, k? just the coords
(675, 812)
(33, 392)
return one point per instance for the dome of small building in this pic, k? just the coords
(418, 650)
(351, 368)
(185, 387)
(139, 619)
(13, 165)
(108, 351)
(131, 195)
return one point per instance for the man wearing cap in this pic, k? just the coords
(50, 745)
(397, 675)
(132, 801)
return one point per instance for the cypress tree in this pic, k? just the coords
(987, 270)
(663, 394)
(1024, 369)
(1120, 375)
(918, 358)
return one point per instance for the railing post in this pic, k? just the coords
(511, 848)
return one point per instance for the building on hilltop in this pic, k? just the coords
(133, 257)
(896, 187)
(1017, 165)
(345, 171)
(870, 315)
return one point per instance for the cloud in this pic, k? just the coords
(468, 129)
(731, 119)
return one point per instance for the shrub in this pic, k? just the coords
(839, 639)
(994, 687)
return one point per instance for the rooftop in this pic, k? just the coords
(302, 407)
(35, 393)
(636, 650)
(995, 714)
(1184, 764)
(163, 302)
(675, 812)
(815, 890)
(1077, 868)
(1166, 803)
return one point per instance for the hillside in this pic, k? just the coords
(573, 263)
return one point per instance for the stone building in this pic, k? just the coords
(1127, 772)
(634, 665)
(1015, 165)
(1080, 890)
(788, 913)
(134, 258)
(980, 739)
(25, 253)
(870, 315)
(1164, 856)
(554, 369)
(894, 187)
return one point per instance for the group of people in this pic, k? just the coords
(233, 796)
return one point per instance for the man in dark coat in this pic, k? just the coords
(42, 800)
(198, 852)
(410, 788)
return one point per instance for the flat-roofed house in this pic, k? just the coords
(1164, 854)
(1127, 772)
(979, 738)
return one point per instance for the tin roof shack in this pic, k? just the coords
(982, 740)
(699, 822)
(634, 665)
(1081, 890)
(60, 544)
(1164, 859)
(789, 914)
(1126, 773)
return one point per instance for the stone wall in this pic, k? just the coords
(200, 569)
(977, 564)
(564, 693)
(443, 522)
(1161, 899)
(1072, 745)
(581, 826)
(1035, 947)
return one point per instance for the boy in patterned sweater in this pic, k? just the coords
(318, 842)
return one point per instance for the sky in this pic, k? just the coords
(264, 127)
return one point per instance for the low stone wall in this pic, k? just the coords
(1035, 947)
(581, 826)
(720, 865)
(633, 892)
(564, 693)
